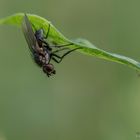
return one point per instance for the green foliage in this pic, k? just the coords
(58, 38)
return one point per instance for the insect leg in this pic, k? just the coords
(48, 31)
(34, 27)
(57, 61)
(61, 57)
(59, 46)
(59, 50)
(64, 45)
(45, 42)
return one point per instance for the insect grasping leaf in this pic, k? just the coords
(58, 38)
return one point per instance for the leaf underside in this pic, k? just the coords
(57, 38)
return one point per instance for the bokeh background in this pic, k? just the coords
(88, 98)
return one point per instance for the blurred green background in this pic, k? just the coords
(88, 98)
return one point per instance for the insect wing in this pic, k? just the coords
(29, 34)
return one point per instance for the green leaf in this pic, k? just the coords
(58, 38)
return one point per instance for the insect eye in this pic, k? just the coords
(54, 72)
(49, 69)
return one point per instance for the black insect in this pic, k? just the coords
(40, 49)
